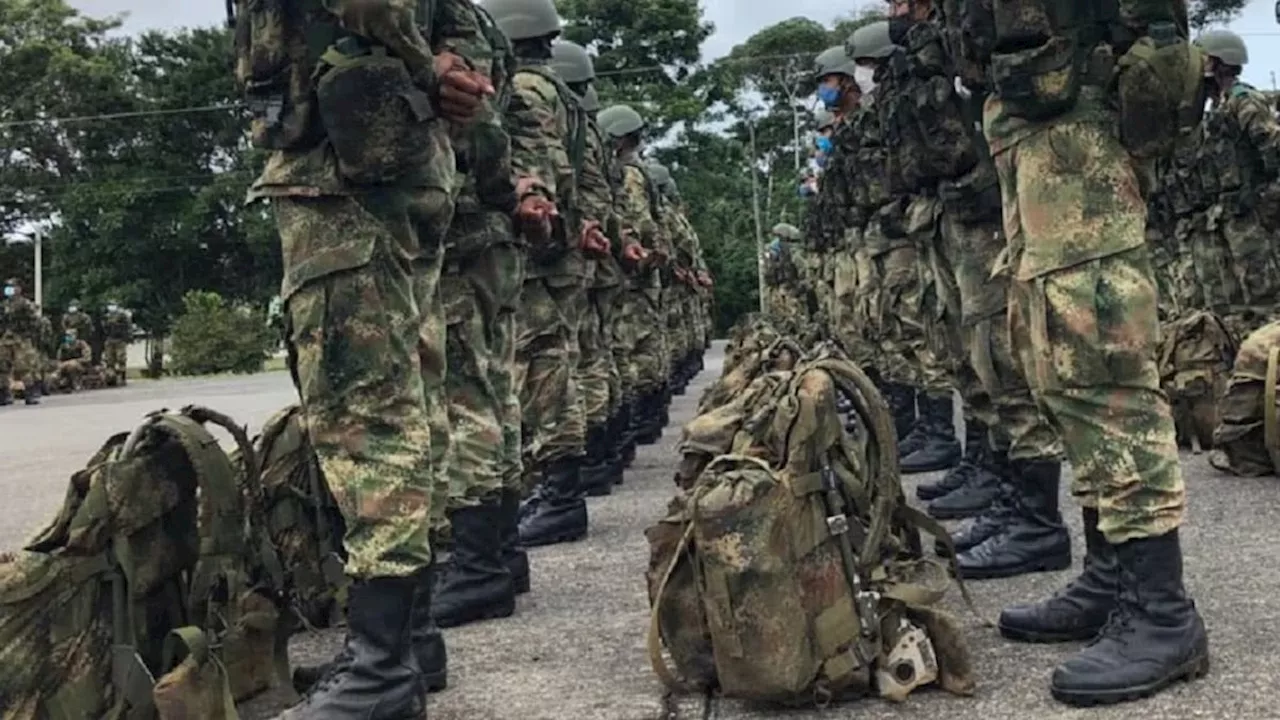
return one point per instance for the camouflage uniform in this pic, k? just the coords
(1244, 447)
(117, 331)
(638, 215)
(74, 357)
(544, 115)
(362, 242)
(1243, 153)
(80, 322)
(19, 358)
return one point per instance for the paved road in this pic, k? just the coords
(575, 649)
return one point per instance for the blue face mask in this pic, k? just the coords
(830, 96)
(9, 291)
(824, 144)
(821, 160)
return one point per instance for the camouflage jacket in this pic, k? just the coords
(78, 350)
(22, 319)
(117, 326)
(80, 322)
(1242, 148)
(639, 213)
(545, 121)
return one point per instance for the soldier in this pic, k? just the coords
(19, 359)
(678, 283)
(644, 251)
(480, 286)
(548, 136)
(696, 281)
(1012, 449)
(1243, 152)
(117, 331)
(1084, 324)
(599, 380)
(78, 320)
(361, 176)
(74, 356)
(785, 302)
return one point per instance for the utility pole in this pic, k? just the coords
(38, 241)
(755, 208)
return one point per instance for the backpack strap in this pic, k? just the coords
(654, 640)
(191, 642)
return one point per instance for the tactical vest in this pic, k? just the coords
(869, 163)
(278, 48)
(1231, 157)
(925, 121)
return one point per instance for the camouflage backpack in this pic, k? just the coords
(150, 570)
(1196, 356)
(1248, 434)
(762, 351)
(791, 571)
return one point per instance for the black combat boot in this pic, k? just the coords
(513, 554)
(626, 436)
(599, 471)
(975, 459)
(901, 400)
(6, 396)
(474, 584)
(1078, 611)
(561, 516)
(977, 495)
(428, 646)
(985, 525)
(648, 423)
(376, 676)
(615, 440)
(1154, 638)
(1034, 538)
(31, 395)
(940, 449)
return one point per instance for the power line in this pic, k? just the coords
(121, 115)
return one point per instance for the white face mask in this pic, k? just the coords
(865, 77)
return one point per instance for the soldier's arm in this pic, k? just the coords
(395, 24)
(634, 210)
(536, 123)
(1259, 124)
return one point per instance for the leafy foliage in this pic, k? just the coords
(214, 336)
(1204, 13)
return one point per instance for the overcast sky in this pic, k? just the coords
(735, 20)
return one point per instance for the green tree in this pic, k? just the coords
(1208, 12)
(646, 52)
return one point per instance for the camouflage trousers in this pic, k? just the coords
(19, 361)
(892, 294)
(598, 378)
(972, 329)
(480, 292)
(366, 342)
(547, 357)
(641, 341)
(937, 360)
(1243, 447)
(115, 355)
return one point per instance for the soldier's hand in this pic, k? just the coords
(534, 215)
(593, 239)
(634, 253)
(704, 279)
(461, 89)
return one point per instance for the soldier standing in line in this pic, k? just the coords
(355, 105)
(117, 332)
(18, 355)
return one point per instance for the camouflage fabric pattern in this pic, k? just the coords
(1196, 353)
(1243, 448)
(115, 355)
(80, 322)
(547, 358)
(367, 349)
(598, 380)
(646, 344)
(1087, 332)
(19, 361)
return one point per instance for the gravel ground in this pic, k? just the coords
(575, 650)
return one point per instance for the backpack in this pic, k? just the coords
(1196, 356)
(302, 521)
(1247, 439)
(149, 571)
(791, 571)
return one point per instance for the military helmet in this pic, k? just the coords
(1224, 45)
(658, 173)
(524, 19)
(620, 121)
(572, 63)
(825, 118)
(787, 231)
(591, 100)
(870, 41)
(833, 61)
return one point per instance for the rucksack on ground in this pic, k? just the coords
(149, 594)
(1248, 434)
(791, 571)
(1196, 356)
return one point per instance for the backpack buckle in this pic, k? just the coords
(838, 524)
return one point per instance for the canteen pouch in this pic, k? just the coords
(1160, 90)
(379, 122)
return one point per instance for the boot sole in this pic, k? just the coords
(931, 467)
(1034, 637)
(1189, 671)
(961, 514)
(934, 493)
(491, 612)
(436, 682)
(566, 537)
(522, 585)
(1052, 564)
(600, 490)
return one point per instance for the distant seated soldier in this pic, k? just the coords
(74, 358)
